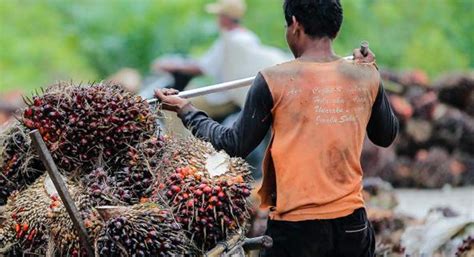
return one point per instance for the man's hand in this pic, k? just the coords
(360, 58)
(170, 100)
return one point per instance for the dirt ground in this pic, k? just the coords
(417, 202)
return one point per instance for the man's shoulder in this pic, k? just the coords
(280, 73)
(284, 67)
(358, 71)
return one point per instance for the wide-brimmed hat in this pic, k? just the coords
(232, 8)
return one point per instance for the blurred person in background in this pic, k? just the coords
(236, 54)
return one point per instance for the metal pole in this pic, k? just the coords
(60, 186)
(221, 247)
(258, 243)
(217, 88)
(364, 47)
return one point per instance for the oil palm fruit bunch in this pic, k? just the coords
(62, 231)
(208, 208)
(36, 221)
(25, 227)
(182, 152)
(83, 123)
(140, 169)
(130, 178)
(19, 164)
(141, 230)
(100, 187)
(123, 187)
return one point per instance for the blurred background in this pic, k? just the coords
(424, 49)
(47, 40)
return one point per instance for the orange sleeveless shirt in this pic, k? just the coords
(320, 112)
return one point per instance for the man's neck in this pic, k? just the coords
(318, 50)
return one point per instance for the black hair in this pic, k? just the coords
(319, 18)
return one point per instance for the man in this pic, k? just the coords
(319, 107)
(236, 54)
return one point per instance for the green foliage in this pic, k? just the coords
(34, 50)
(45, 40)
(115, 34)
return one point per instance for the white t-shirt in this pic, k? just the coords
(235, 55)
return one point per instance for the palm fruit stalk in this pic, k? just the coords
(20, 166)
(141, 230)
(82, 124)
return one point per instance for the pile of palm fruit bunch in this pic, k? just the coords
(397, 234)
(434, 145)
(210, 207)
(388, 225)
(108, 147)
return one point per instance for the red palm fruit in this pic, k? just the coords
(175, 189)
(207, 189)
(198, 192)
(28, 112)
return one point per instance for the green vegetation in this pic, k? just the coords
(45, 40)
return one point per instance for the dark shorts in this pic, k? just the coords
(350, 236)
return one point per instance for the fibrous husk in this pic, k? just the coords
(20, 166)
(141, 230)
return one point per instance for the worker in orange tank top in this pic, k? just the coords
(319, 108)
